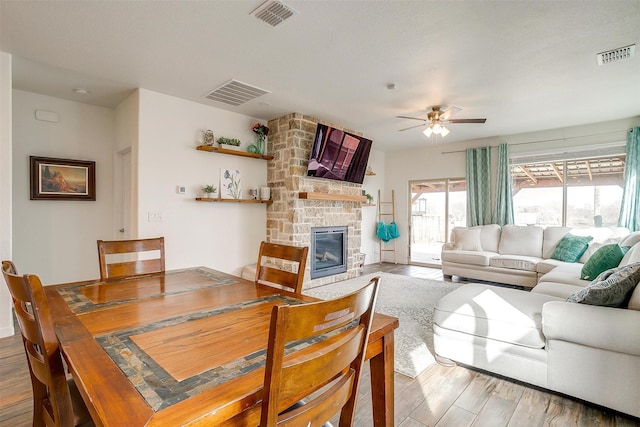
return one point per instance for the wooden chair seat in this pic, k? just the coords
(325, 374)
(277, 266)
(112, 252)
(56, 400)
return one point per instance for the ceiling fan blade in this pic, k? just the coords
(412, 118)
(411, 127)
(448, 112)
(466, 121)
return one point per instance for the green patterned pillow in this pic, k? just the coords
(608, 256)
(570, 248)
(613, 288)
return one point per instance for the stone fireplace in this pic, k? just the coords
(290, 218)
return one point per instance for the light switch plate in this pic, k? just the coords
(181, 189)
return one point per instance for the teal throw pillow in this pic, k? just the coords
(613, 288)
(570, 248)
(608, 256)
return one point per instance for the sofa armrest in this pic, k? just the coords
(615, 329)
(449, 246)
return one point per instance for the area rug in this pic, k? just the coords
(409, 299)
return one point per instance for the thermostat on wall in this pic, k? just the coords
(181, 189)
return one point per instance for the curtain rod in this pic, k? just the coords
(544, 140)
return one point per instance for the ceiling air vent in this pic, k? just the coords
(273, 12)
(616, 55)
(235, 93)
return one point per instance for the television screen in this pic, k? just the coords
(338, 155)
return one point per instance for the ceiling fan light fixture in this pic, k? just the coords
(444, 131)
(436, 128)
(427, 132)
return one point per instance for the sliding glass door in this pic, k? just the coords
(436, 206)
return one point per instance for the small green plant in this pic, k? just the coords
(209, 189)
(369, 197)
(228, 141)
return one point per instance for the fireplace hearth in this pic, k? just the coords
(328, 251)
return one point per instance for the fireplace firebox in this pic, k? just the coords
(328, 251)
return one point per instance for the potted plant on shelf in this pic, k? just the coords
(231, 142)
(209, 191)
(369, 198)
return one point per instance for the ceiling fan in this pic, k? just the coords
(437, 116)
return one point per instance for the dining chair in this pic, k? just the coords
(323, 374)
(56, 400)
(111, 253)
(270, 273)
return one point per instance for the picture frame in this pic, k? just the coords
(62, 179)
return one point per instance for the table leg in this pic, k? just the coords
(382, 383)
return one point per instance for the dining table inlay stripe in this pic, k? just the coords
(87, 296)
(158, 387)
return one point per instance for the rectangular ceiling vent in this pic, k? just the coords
(616, 55)
(235, 93)
(273, 12)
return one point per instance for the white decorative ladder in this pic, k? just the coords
(383, 213)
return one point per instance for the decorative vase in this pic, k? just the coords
(261, 144)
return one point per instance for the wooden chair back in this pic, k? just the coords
(269, 274)
(332, 363)
(132, 248)
(52, 402)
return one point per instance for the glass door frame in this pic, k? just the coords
(447, 232)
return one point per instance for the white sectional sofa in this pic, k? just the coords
(591, 352)
(515, 255)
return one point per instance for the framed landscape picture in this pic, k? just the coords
(62, 179)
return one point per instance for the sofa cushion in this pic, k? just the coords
(568, 273)
(608, 256)
(467, 239)
(570, 248)
(521, 240)
(631, 239)
(490, 237)
(507, 315)
(546, 265)
(467, 257)
(634, 302)
(613, 288)
(556, 289)
(592, 249)
(515, 262)
(551, 237)
(632, 255)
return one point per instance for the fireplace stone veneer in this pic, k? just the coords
(289, 218)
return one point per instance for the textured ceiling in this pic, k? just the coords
(524, 65)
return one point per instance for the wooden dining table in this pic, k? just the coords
(184, 347)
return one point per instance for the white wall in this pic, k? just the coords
(371, 184)
(224, 236)
(57, 239)
(6, 319)
(443, 160)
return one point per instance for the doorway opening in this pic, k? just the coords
(435, 206)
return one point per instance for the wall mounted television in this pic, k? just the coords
(338, 155)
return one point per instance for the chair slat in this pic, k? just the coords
(325, 373)
(271, 273)
(136, 267)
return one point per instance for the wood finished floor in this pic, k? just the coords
(440, 396)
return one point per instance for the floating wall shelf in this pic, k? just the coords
(331, 197)
(214, 199)
(214, 149)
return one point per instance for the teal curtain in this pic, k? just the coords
(630, 208)
(504, 196)
(478, 186)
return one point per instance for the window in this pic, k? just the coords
(436, 207)
(573, 193)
